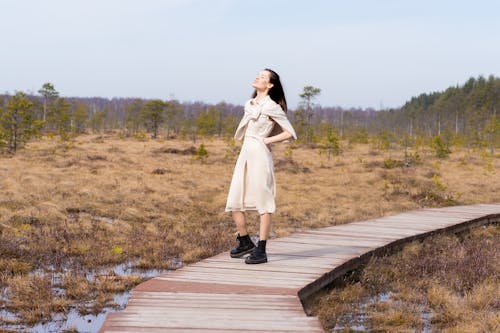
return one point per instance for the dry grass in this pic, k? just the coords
(447, 283)
(33, 298)
(101, 200)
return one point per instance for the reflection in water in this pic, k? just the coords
(73, 321)
(358, 321)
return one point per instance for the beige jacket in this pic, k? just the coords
(253, 186)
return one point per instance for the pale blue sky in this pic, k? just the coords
(360, 53)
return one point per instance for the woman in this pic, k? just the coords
(253, 185)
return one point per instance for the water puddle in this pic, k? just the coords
(358, 321)
(73, 321)
(129, 269)
(7, 317)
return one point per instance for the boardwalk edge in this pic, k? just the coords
(314, 287)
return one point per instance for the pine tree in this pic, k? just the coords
(332, 142)
(79, 118)
(153, 115)
(441, 147)
(61, 118)
(492, 131)
(133, 116)
(49, 93)
(173, 117)
(207, 121)
(96, 121)
(17, 122)
(307, 96)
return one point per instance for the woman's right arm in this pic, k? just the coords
(285, 135)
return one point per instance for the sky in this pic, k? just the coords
(360, 53)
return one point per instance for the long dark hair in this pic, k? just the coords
(276, 92)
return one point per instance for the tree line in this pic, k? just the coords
(463, 114)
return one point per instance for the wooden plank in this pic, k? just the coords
(273, 266)
(222, 294)
(231, 271)
(409, 227)
(259, 321)
(183, 286)
(219, 275)
(240, 282)
(193, 330)
(352, 234)
(372, 229)
(214, 297)
(381, 229)
(276, 265)
(332, 241)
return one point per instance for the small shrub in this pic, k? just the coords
(438, 184)
(159, 171)
(440, 147)
(141, 136)
(435, 193)
(382, 141)
(418, 143)
(412, 159)
(487, 159)
(359, 136)
(390, 163)
(202, 153)
(332, 143)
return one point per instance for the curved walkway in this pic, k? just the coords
(221, 294)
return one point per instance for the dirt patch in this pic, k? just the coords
(168, 150)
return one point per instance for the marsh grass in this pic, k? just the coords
(78, 206)
(33, 299)
(446, 283)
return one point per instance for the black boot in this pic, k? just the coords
(258, 255)
(245, 245)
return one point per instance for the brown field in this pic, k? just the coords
(447, 283)
(81, 206)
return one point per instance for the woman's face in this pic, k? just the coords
(262, 81)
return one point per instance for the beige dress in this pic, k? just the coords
(253, 186)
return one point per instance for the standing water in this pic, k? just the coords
(73, 321)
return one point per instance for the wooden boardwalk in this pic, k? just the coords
(221, 294)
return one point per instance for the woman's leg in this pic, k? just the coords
(265, 226)
(241, 224)
(245, 244)
(259, 255)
